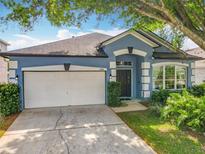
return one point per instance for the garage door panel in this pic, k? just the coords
(49, 89)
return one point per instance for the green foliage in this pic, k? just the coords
(185, 17)
(162, 136)
(114, 92)
(9, 99)
(172, 35)
(1, 119)
(198, 90)
(159, 97)
(155, 109)
(185, 110)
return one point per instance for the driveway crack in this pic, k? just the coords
(62, 138)
(59, 131)
(59, 118)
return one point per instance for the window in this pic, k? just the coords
(180, 77)
(158, 77)
(124, 63)
(169, 77)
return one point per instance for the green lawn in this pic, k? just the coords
(163, 137)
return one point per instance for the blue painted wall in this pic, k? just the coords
(46, 61)
(137, 73)
(123, 43)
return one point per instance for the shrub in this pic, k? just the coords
(185, 110)
(114, 92)
(1, 119)
(9, 99)
(155, 109)
(159, 97)
(198, 90)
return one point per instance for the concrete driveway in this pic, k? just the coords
(74, 130)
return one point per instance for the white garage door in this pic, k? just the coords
(50, 89)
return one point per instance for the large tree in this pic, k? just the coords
(185, 17)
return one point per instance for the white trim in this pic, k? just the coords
(146, 94)
(192, 78)
(170, 63)
(193, 65)
(125, 51)
(145, 72)
(164, 77)
(145, 86)
(113, 72)
(142, 93)
(132, 85)
(113, 64)
(121, 52)
(139, 52)
(13, 81)
(145, 79)
(193, 71)
(61, 68)
(113, 78)
(145, 65)
(175, 77)
(13, 64)
(12, 74)
(133, 33)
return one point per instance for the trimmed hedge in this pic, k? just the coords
(9, 99)
(114, 92)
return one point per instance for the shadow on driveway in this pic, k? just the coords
(78, 129)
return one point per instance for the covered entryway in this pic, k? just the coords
(51, 89)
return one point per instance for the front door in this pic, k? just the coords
(124, 77)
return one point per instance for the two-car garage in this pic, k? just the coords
(60, 88)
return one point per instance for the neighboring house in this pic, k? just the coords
(3, 63)
(199, 65)
(76, 71)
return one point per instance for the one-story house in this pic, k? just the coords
(199, 64)
(76, 71)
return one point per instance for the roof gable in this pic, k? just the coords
(133, 33)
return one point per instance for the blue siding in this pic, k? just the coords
(123, 43)
(127, 41)
(46, 61)
(137, 73)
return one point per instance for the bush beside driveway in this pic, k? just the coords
(9, 105)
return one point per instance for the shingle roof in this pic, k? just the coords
(85, 45)
(196, 52)
(89, 45)
(200, 53)
(176, 55)
(4, 42)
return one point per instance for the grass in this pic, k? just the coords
(6, 123)
(163, 137)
